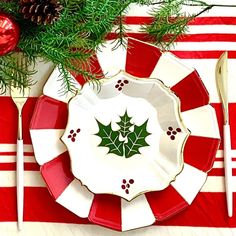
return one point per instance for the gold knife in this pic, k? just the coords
(222, 85)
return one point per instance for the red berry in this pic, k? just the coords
(69, 136)
(126, 81)
(123, 186)
(127, 191)
(172, 137)
(122, 84)
(78, 130)
(119, 81)
(119, 88)
(170, 128)
(174, 132)
(124, 181)
(168, 132)
(72, 131)
(131, 181)
(74, 135)
(127, 185)
(72, 139)
(117, 85)
(178, 130)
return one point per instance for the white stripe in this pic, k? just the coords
(219, 153)
(12, 148)
(10, 159)
(138, 10)
(31, 179)
(77, 198)
(136, 213)
(55, 229)
(216, 184)
(220, 164)
(215, 11)
(203, 46)
(47, 144)
(31, 159)
(189, 182)
(202, 122)
(34, 178)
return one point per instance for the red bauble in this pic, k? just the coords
(9, 34)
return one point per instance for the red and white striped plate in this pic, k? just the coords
(50, 118)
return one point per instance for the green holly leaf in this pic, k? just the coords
(124, 124)
(136, 140)
(110, 139)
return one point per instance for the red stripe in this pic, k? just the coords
(106, 211)
(30, 154)
(38, 206)
(200, 152)
(12, 166)
(222, 159)
(165, 203)
(213, 37)
(142, 20)
(212, 20)
(191, 91)
(212, 54)
(207, 210)
(141, 58)
(220, 172)
(57, 174)
(138, 20)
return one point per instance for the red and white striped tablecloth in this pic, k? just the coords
(209, 35)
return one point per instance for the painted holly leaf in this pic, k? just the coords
(124, 124)
(110, 139)
(136, 140)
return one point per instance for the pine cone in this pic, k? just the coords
(41, 11)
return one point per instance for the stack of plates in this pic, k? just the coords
(135, 148)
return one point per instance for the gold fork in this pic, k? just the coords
(19, 96)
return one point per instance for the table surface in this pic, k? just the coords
(208, 37)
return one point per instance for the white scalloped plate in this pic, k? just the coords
(116, 135)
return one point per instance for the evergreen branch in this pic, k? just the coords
(10, 73)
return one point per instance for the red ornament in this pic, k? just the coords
(9, 34)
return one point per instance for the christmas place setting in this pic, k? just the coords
(117, 117)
